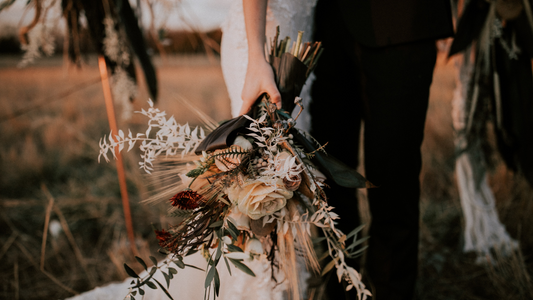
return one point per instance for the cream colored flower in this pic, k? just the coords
(254, 246)
(257, 198)
(243, 143)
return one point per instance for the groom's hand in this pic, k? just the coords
(259, 79)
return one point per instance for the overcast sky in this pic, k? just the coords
(202, 14)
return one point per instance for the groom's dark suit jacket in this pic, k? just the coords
(377, 23)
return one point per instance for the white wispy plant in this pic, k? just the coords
(170, 138)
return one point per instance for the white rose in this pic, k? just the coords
(257, 199)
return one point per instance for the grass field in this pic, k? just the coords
(51, 118)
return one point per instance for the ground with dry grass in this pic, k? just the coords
(52, 117)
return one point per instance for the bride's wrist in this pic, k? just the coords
(256, 57)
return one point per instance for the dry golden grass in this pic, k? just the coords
(53, 147)
(54, 144)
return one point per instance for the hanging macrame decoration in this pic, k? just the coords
(495, 86)
(114, 31)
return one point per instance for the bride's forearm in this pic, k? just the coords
(255, 20)
(259, 75)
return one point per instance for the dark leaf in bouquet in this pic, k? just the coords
(164, 290)
(355, 231)
(233, 248)
(167, 278)
(141, 262)
(130, 271)
(223, 136)
(216, 224)
(357, 253)
(141, 291)
(153, 270)
(154, 261)
(227, 265)
(242, 267)
(291, 75)
(191, 251)
(331, 167)
(210, 276)
(341, 173)
(196, 172)
(151, 285)
(232, 229)
(179, 263)
(217, 282)
(194, 267)
(357, 243)
(219, 253)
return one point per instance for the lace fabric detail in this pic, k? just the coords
(291, 16)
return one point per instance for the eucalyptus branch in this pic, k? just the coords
(171, 138)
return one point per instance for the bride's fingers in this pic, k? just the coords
(273, 93)
(275, 96)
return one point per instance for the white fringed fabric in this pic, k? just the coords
(483, 230)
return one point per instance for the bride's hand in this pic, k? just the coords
(259, 80)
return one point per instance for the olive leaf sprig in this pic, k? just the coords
(139, 283)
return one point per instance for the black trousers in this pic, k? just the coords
(388, 89)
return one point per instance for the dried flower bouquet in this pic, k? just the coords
(252, 188)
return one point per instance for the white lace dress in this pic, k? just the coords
(291, 16)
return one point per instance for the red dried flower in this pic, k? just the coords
(162, 236)
(187, 200)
